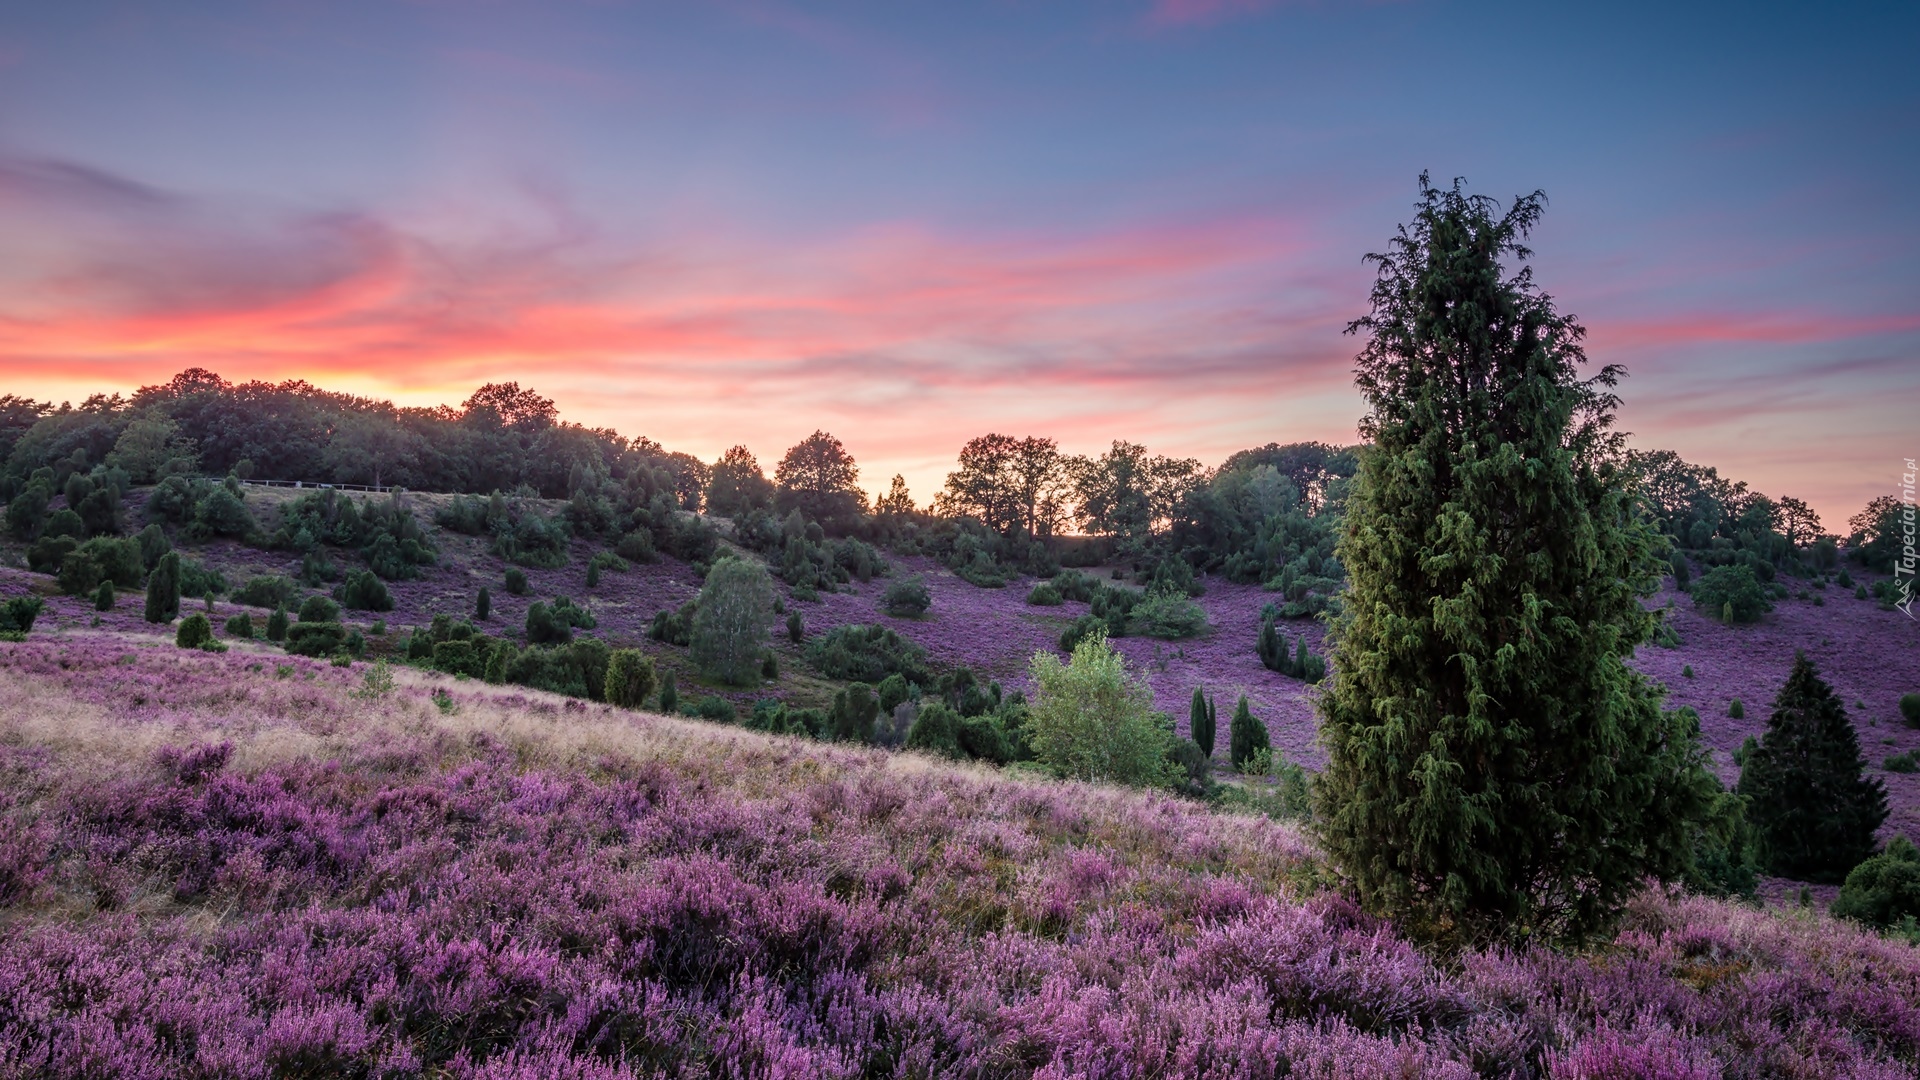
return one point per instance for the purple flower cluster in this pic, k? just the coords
(211, 866)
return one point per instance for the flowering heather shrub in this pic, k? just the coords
(209, 870)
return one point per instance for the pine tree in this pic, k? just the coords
(1815, 813)
(1247, 735)
(1495, 769)
(277, 624)
(1200, 721)
(163, 589)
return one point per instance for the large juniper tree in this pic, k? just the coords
(1815, 813)
(1495, 770)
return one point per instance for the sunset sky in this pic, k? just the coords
(910, 223)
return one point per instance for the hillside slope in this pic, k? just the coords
(230, 865)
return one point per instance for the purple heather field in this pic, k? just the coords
(226, 865)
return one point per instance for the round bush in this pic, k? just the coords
(630, 678)
(194, 632)
(319, 609)
(1910, 708)
(1044, 595)
(907, 598)
(1884, 890)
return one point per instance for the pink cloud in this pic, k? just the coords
(1176, 13)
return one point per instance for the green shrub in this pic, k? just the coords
(855, 709)
(577, 669)
(277, 624)
(892, 691)
(1192, 766)
(1732, 593)
(163, 590)
(1200, 721)
(194, 632)
(630, 678)
(1884, 890)
(318, 608)
(936, 730)
(364, 591)
(676, 627)
(1079, 630)
(636, 546)
(867, 654)
(1044, 595)
(1168, 615)
(467, 657)
(730, 621)
(516, 581)
(1092, 720)
(1246, 735)
(240, 626)
(482, 605)
(544, 628)
(316, 638)
(104, 596)
(1910, 709)
(1736, 710)
(1902, 763)
(267, 591)
(17, 615)
(717, 709)
(907, 598)
(1682, 573)
(796, 628)
(669, 693)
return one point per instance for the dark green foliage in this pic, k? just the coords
(1732, 594)
(316, 638)
(318, 608)
(1495, 770)
(1883, 891)
(577, 669)
(907, 598)
(266, 590)
(163, 589)
(867, 654)
(220, 511)
(1246, 735)
(27, 511)
(1074, 585)
(630, 678)
(892, 691)
(153, 544)
(1682, 573)
(593, 574)
(1193, 765)
(103, 597)
(118, 559)
(1272, 651)
(636, 546)
(717, 709)
(544, 627)
(1736, 710)
(1813, 809)
(1200, 721)
(1078, 630)
(316, 568)
(79, 573)
(466, 656)
(770, 667)
(362, 591)
(516, 581)
(99, 511)
(385, 533)
(194, 632)
(65, 523)
(676, 627)
(935, 729)
(49, 553)
(17, 614)
(197, 580)
(482, 605)
(277, 624)
(1902, 763)
(983, 738)
(1044, 595)
(853, 714)
(240, 626)
(796, 627)
(669, 693)
(1299, 662)
(1910, 709)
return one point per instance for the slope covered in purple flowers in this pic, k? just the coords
(227, 865)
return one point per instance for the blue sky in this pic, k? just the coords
(911, 223)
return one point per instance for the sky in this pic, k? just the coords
(910, 223)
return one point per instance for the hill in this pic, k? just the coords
(244, 864)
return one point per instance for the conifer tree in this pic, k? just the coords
(1200, 721)
(277, 624)
(1495, 769)
(1246, 736)
(163, 589)
(482, 605)
(1813, 809)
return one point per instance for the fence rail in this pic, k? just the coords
(318, 486)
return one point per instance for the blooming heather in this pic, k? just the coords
(226, 864)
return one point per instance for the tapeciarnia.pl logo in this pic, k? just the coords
(1903, 566)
